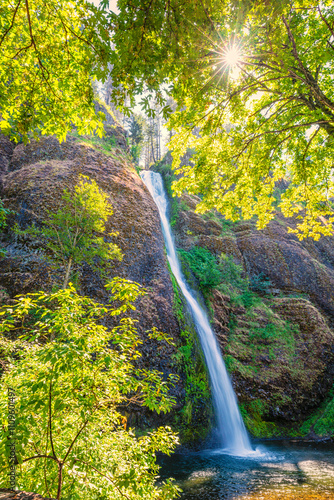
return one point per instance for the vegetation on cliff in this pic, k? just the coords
(73, 377)
(269, 337)
(76, 232)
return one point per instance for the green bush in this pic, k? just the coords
(322, 421)
(231, 273)
(3, 215)
(71, 438)
(204, 266)
(260, 283)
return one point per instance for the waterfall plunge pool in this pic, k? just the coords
(279, 471)
(240, 472)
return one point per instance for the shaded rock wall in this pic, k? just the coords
(278, 343)
(33, 181)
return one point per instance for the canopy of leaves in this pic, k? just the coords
(270, 117)
(70, 435)
(49, 54)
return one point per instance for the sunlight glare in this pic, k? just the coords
(231, 56)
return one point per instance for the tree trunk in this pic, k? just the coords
(67, 276)
(60, 479)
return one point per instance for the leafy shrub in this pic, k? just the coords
(76, 233)
(322, 422)
(248, 299)
(231, 273)
(204, 266)
(260, 283)
(70, 437)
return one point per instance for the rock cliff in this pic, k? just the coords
(32, 182)
(273, 310)
(273, 313)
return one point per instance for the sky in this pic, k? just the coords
(112, 4)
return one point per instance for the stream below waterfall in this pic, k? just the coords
(283, 471)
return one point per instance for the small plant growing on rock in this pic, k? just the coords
(260, 283)
(204, 266)
(76, 232)
(3, 215)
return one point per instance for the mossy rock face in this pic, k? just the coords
(282, 364)
(275, 331)
(6, 152)
(37, 174)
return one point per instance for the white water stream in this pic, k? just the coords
(232, 431)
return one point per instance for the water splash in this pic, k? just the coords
(232, 431)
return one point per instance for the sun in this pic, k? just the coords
(231, 56)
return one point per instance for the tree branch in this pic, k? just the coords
(104, 475)
(11, 25)
(50, 420)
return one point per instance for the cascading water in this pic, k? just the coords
(232, 431)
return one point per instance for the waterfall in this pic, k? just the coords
(232, 431)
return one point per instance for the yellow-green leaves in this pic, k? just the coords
(72, 397)
(77, 231)
(49, 54)
(274, 120)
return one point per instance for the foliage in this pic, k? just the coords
(4, 212)
(260, 283)
(232, 274)
(70, 436)
(49, 54)
(204, 266)
(76, 232)
(267, 117)
(135, 123)
(152, 37)
(106, 144)
(275, 343)
(235, 284)
(322, 421)
(189, 359)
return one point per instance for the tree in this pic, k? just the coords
(136, 125)
(70, 437)
(271, 116)
(256, 77)
(49, 54)
(76, 232)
